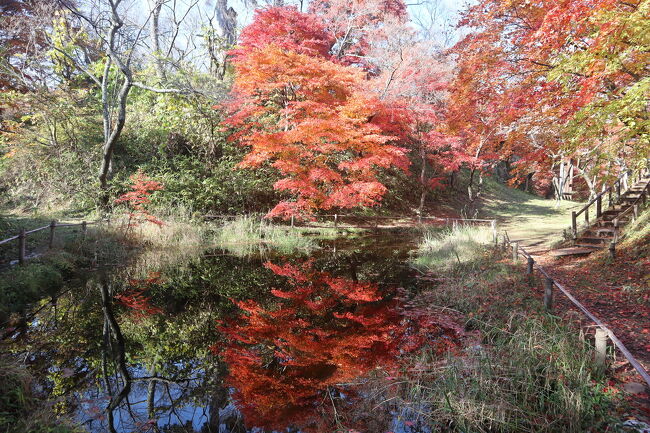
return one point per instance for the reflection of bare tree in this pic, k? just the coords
(129, 389)
(116, 350)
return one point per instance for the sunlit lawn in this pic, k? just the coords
(527, 218)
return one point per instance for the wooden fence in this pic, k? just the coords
(602, 331)
(22, 236)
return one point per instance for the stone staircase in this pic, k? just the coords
(607, 227)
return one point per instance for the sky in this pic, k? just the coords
(436, 18)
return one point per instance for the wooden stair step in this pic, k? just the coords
(596, 229)
(588, 240)
(611, 217)
(573, 251)
(610, 223)
(592, 246)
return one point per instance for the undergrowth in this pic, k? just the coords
(21, 411)
(247, 234)
(450, 247)
(525, 371)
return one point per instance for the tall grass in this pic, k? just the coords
(248, 234)
(535, 376)
(524, 371)
(179, 229)
(21, 411)
(451, 247)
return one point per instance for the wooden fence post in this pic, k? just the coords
(599, 206)
(574, 224)
(635, 210)
(601, 347)
(548, 294)
(291, 221)
(493, 224)
(587, 216)
(609, 202)
(21, 246)
(515, 251)
(84, 229)
(336, 220)
(50, 244)
(531, 263)
(612, 250)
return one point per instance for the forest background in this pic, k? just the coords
(303, 107)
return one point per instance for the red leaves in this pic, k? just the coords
(138, 199)
(136, 300)
(319, 332)
(288, 29)
(308, 116)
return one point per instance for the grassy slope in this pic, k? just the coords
(526, 217)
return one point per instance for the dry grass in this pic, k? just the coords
(449, 247)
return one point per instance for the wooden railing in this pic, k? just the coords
(633, 209)
(21, 237)
(613, 193)
(602, 331)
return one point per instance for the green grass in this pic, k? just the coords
(442, 249)
(637, 232)
(248, 234)
(535, 375)
(524, 216)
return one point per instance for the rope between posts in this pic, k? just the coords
(618, 343)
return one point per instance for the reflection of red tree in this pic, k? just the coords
(322, 331)
(136, 300)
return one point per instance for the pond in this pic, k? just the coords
(233, 342)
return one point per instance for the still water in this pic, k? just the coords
(234, 342)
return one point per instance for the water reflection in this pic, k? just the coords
(318, 331)
(231, 344)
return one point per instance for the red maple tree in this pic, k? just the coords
(308, 116)
(139, 198)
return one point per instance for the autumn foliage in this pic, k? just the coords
(539, 83)
(320, 332)
(136, 300)
(308, 115)
(138, 199)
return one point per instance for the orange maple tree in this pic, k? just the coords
(308, 116)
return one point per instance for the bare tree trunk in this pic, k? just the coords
(151, 393)
(119, 350)
(470, 188)
(111, 136)
(423, 178)
(154, 28)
